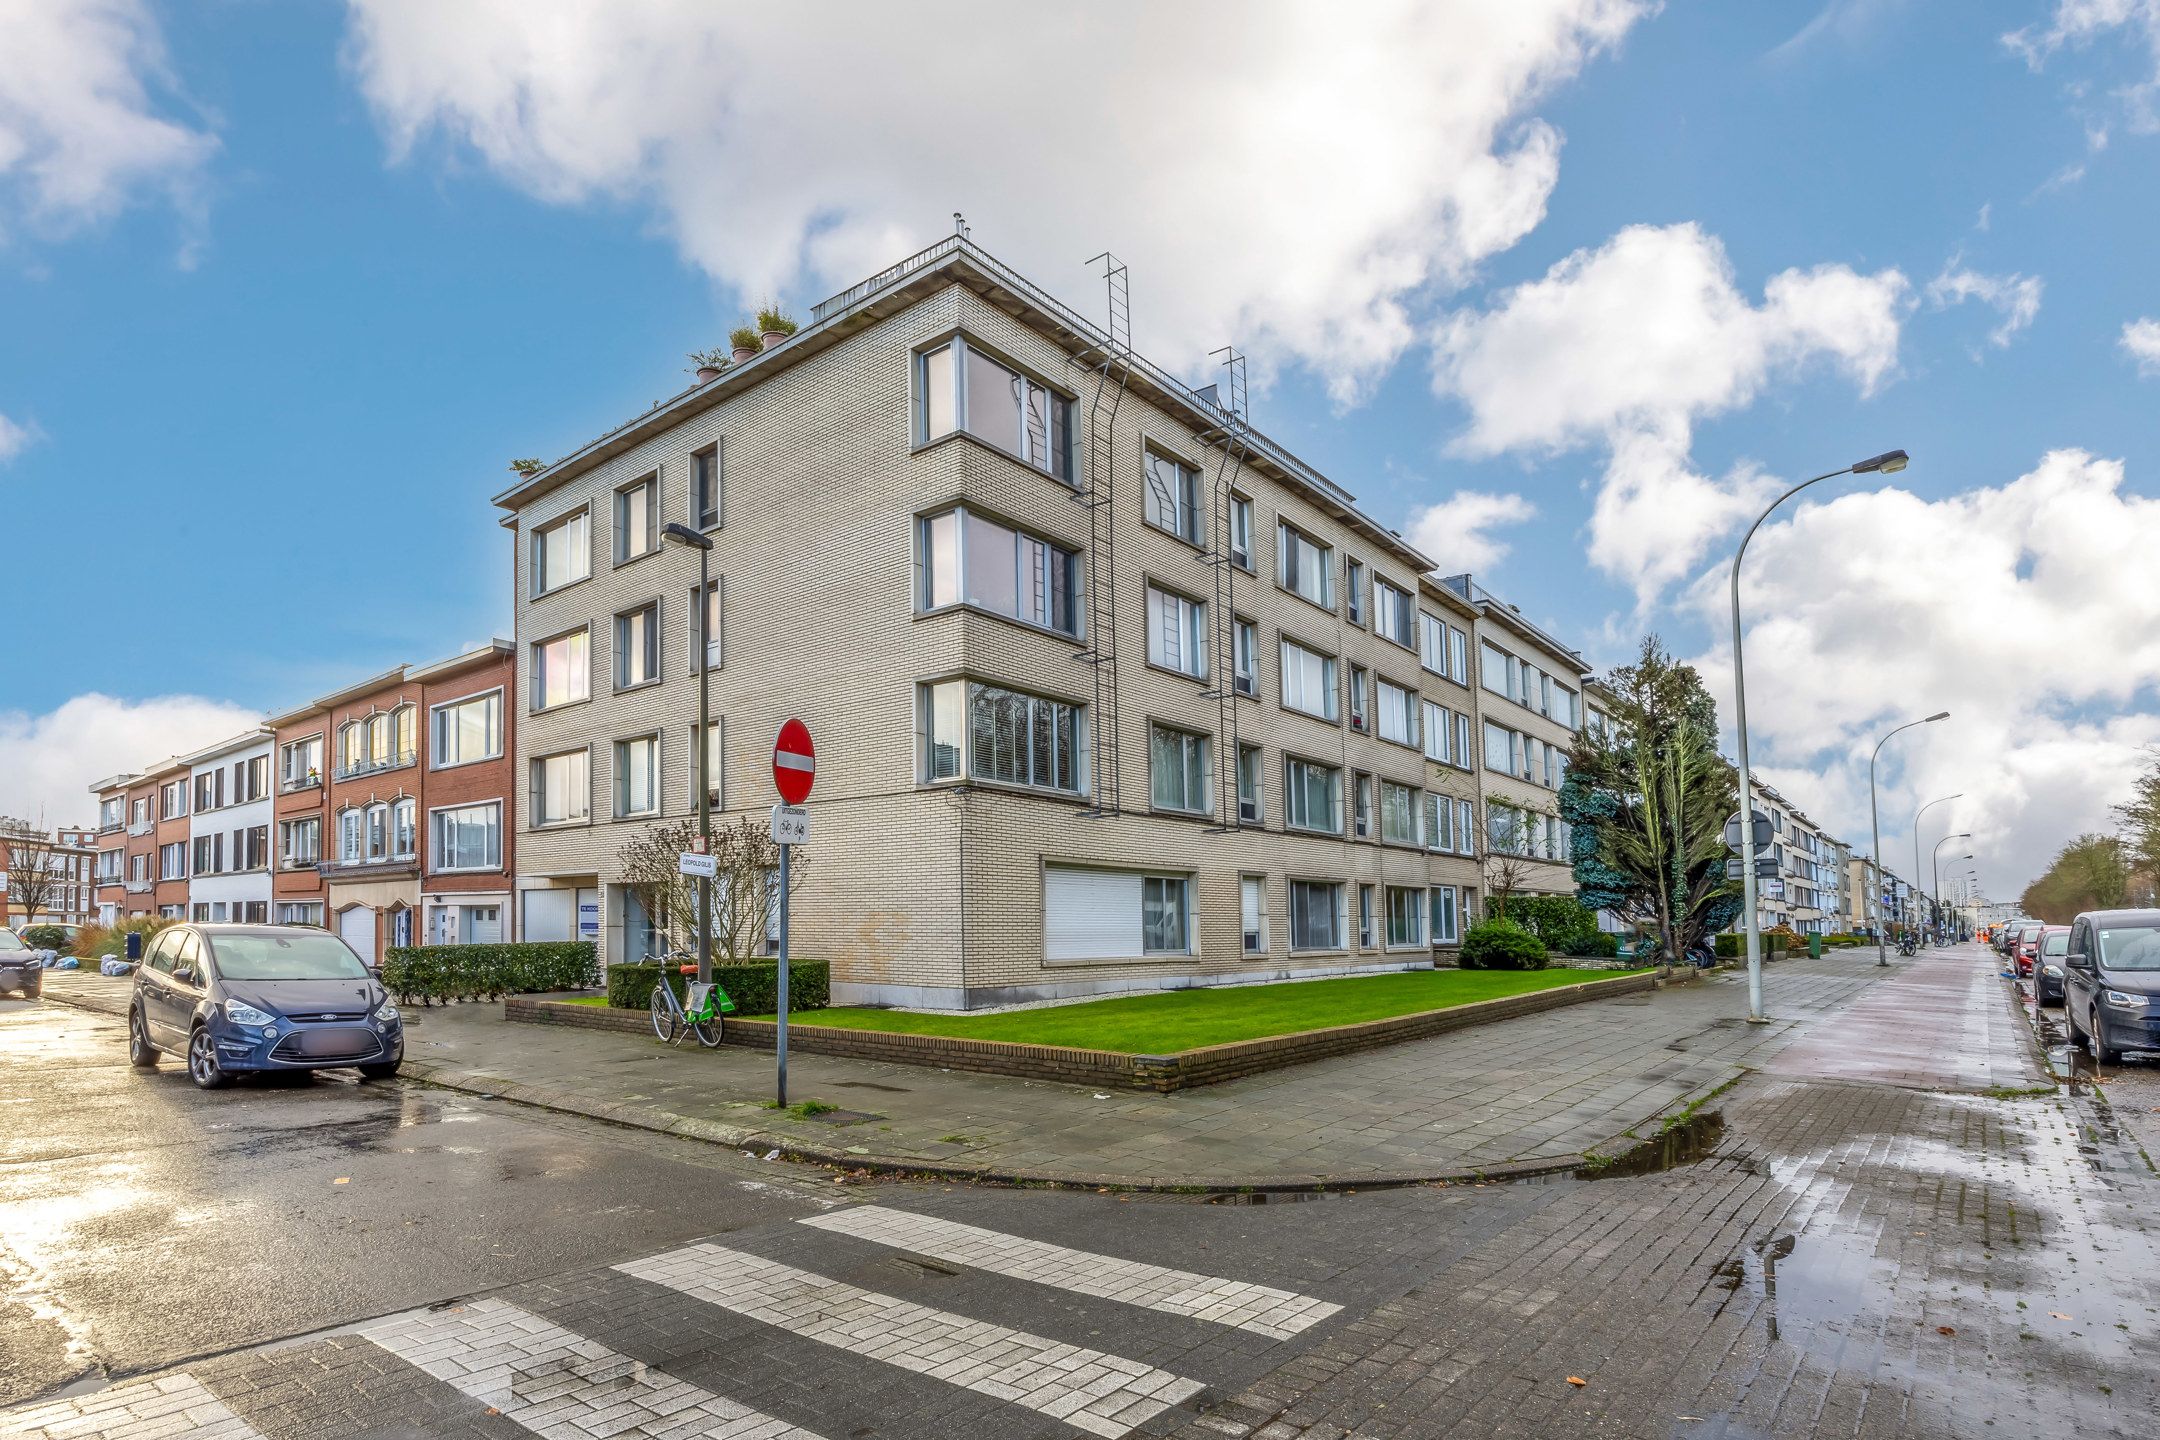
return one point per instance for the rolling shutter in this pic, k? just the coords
(1090, 914)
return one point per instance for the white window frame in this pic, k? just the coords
(1177, 632)
(1035, 601)
(1252, 917)
(1390, 599)
(1406, 711)
(536, 677)
(647, 543)
(1058, 461)
(1293, 665)
(715, 657)
(1183, 519)
(438, 716)
(1294, 797)
(617, 755)
(1198, 791)
(535, 790)
(1337, 921)
(1416, 914)
(1241, 532)
(654, 652)
(538, 550)
(1288, 539)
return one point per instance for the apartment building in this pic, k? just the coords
(172, 783)
(111, 872)
(140, 846)
(1803, 895)
(1531, 709)
(1109, 690)
(46, 876)
(229, 817)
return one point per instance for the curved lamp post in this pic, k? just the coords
(1887, 463)
(1916, 834)
(1882, 950)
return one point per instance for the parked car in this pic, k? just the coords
(2047, 973)
(22, 969)
(2026, 945)
(2111, 977)
(235, 998)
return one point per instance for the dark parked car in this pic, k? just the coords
(22, 969)
(233, 998)
(2112, 981)
(2047, 972)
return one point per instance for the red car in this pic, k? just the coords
(2025, 949)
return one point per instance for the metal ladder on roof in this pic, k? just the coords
(1109, 360)
(1231, 436)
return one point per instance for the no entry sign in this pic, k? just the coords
(794, 763)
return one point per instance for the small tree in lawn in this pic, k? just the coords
(1507, 853)
(747, 871)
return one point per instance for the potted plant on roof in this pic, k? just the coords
(528, 466)
(708, 363)
(774, 325)
(745, 340)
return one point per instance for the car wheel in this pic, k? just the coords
(2077, 1036)
(141, 1053)
(202, 1061)
(382, 1071)
(2105, 1053)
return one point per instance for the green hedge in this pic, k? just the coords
(45, 937)
(754, 985)
(1734, 947)
(1502, 945)
(471, 972)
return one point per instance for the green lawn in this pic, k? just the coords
(1165, 1022)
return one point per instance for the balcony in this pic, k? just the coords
(140, 887)
(376, 767)
(385, 868)
(142, 827)
(310, 781)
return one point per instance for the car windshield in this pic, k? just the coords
(299, 956)
(9, 942)
(2056, 944)
(2130, 948)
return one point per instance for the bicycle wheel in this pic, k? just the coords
(707, 1032)
(666, 1018)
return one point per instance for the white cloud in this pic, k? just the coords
(1344, 167)
(79, 134)
(48, 761)
(1625, 347)
(1457, 532)
(2016, 298)
(2025, 609)
(14, 438)
(2078, 24)
(2141, 342)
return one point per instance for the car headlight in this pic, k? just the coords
(241, 1014)
(2052, 969)
(2127, 1002)
(387, 1015)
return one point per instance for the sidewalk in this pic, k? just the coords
(1517, 1096)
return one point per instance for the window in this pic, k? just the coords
(1177, 634)
(209, 854)
(562, 670)
(300, 843)
(1446, 909)
(1564, 707)
(352, 830)
(467, 730)
(1245, 657)
(1173, 496)
(1178, 770)
(209, 790)
(1315, 915)
(705, 488)
(1398, 714)
(1398, 813)
(111, 812)
(1437, 730)
(1439, 822)
(708, 626)
(1432, 643)
(1308, 681)
(1464, 756)
(1499, 749)
(1312, 796)
(202, 911)
(1249, 810)
(1394, 614)
(561, 789)
(466, 837)
(1361, 807)
(1365, 917)
(251, 779)
(1166, 914)
(1493, 665)
(300, 763)
(378, 832)
(172, 861)
(1252, 913)
(1360, 716)
(561, 553)
(637, 646)
(251, 847)
(1241, 532)
(988, 733)
(637, 776)
(1354, 582)
(960, 388)
(1458, 656)
(251, 912)
(298, 912)
(966, 559)
(1405, 917)
(378, 742)
(1465, 828)
(637, 519)
(403, 827)
(1306, 567)
(713, 769)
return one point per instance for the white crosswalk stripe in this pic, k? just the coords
(1258, 1308)
(1102, 1394)
(171, 1407)
(555, 1382)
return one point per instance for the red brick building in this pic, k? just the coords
(141, 846)
(111, 874)
(170, 862)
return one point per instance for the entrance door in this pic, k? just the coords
(483, 924)
(356, 927)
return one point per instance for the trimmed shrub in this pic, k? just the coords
(471, 972)
(1502, 945)
(753, 985)
(1598, 944)
(1561, 921)
(46, 937)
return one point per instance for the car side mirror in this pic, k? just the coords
(2076, 960)
(185, 974)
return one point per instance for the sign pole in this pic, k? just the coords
(780, 1048)
(794, 771)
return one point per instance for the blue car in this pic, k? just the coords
(235, 998)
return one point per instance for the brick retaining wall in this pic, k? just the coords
(1103, 1069)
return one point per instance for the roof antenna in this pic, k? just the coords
(959, 225)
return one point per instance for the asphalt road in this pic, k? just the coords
(144, 1222)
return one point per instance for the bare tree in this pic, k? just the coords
(31, 876)
(745, 892)
(1508, 856)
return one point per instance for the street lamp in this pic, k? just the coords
(1935, 859)
(1916, 831)
(684, 535)
(1882, 951)
(1887, 463)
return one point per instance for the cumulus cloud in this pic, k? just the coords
(1458, 532)
(2016, 298)
(1625, 347)
(2141, 342)
(14, 438)
(2078, 24)
(1344, 169)
(2025, 609)
(47, 761)
(80, 132)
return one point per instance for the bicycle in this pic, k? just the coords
(671, 1016)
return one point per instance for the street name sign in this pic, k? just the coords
(705, 867)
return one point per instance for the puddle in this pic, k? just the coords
(1691, 1140)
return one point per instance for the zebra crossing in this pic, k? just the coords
(561, 1359)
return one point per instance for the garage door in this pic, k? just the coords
(483, 924)
(550, 915)
(1090, 914)
(356, 927)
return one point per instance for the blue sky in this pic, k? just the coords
(284, 287)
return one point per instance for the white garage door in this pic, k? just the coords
(483, 924)
(1090, 914)
(356, 927)
(550, 915)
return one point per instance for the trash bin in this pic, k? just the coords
(1814, 946)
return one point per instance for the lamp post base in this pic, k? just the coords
(1758, 1019)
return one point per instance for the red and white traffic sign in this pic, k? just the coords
(794, 763)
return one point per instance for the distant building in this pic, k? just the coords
(46, 876)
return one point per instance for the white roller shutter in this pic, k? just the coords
(550, 915)
(356, 927)
(1090, 914)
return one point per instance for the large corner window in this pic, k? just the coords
(561, 553)
(958, 387)
(982, 732)
(964, 559)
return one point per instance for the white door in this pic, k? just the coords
(1090, 914)
(550, 914)
(356, 927)
(483, 924)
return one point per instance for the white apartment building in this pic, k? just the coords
(229, 802)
